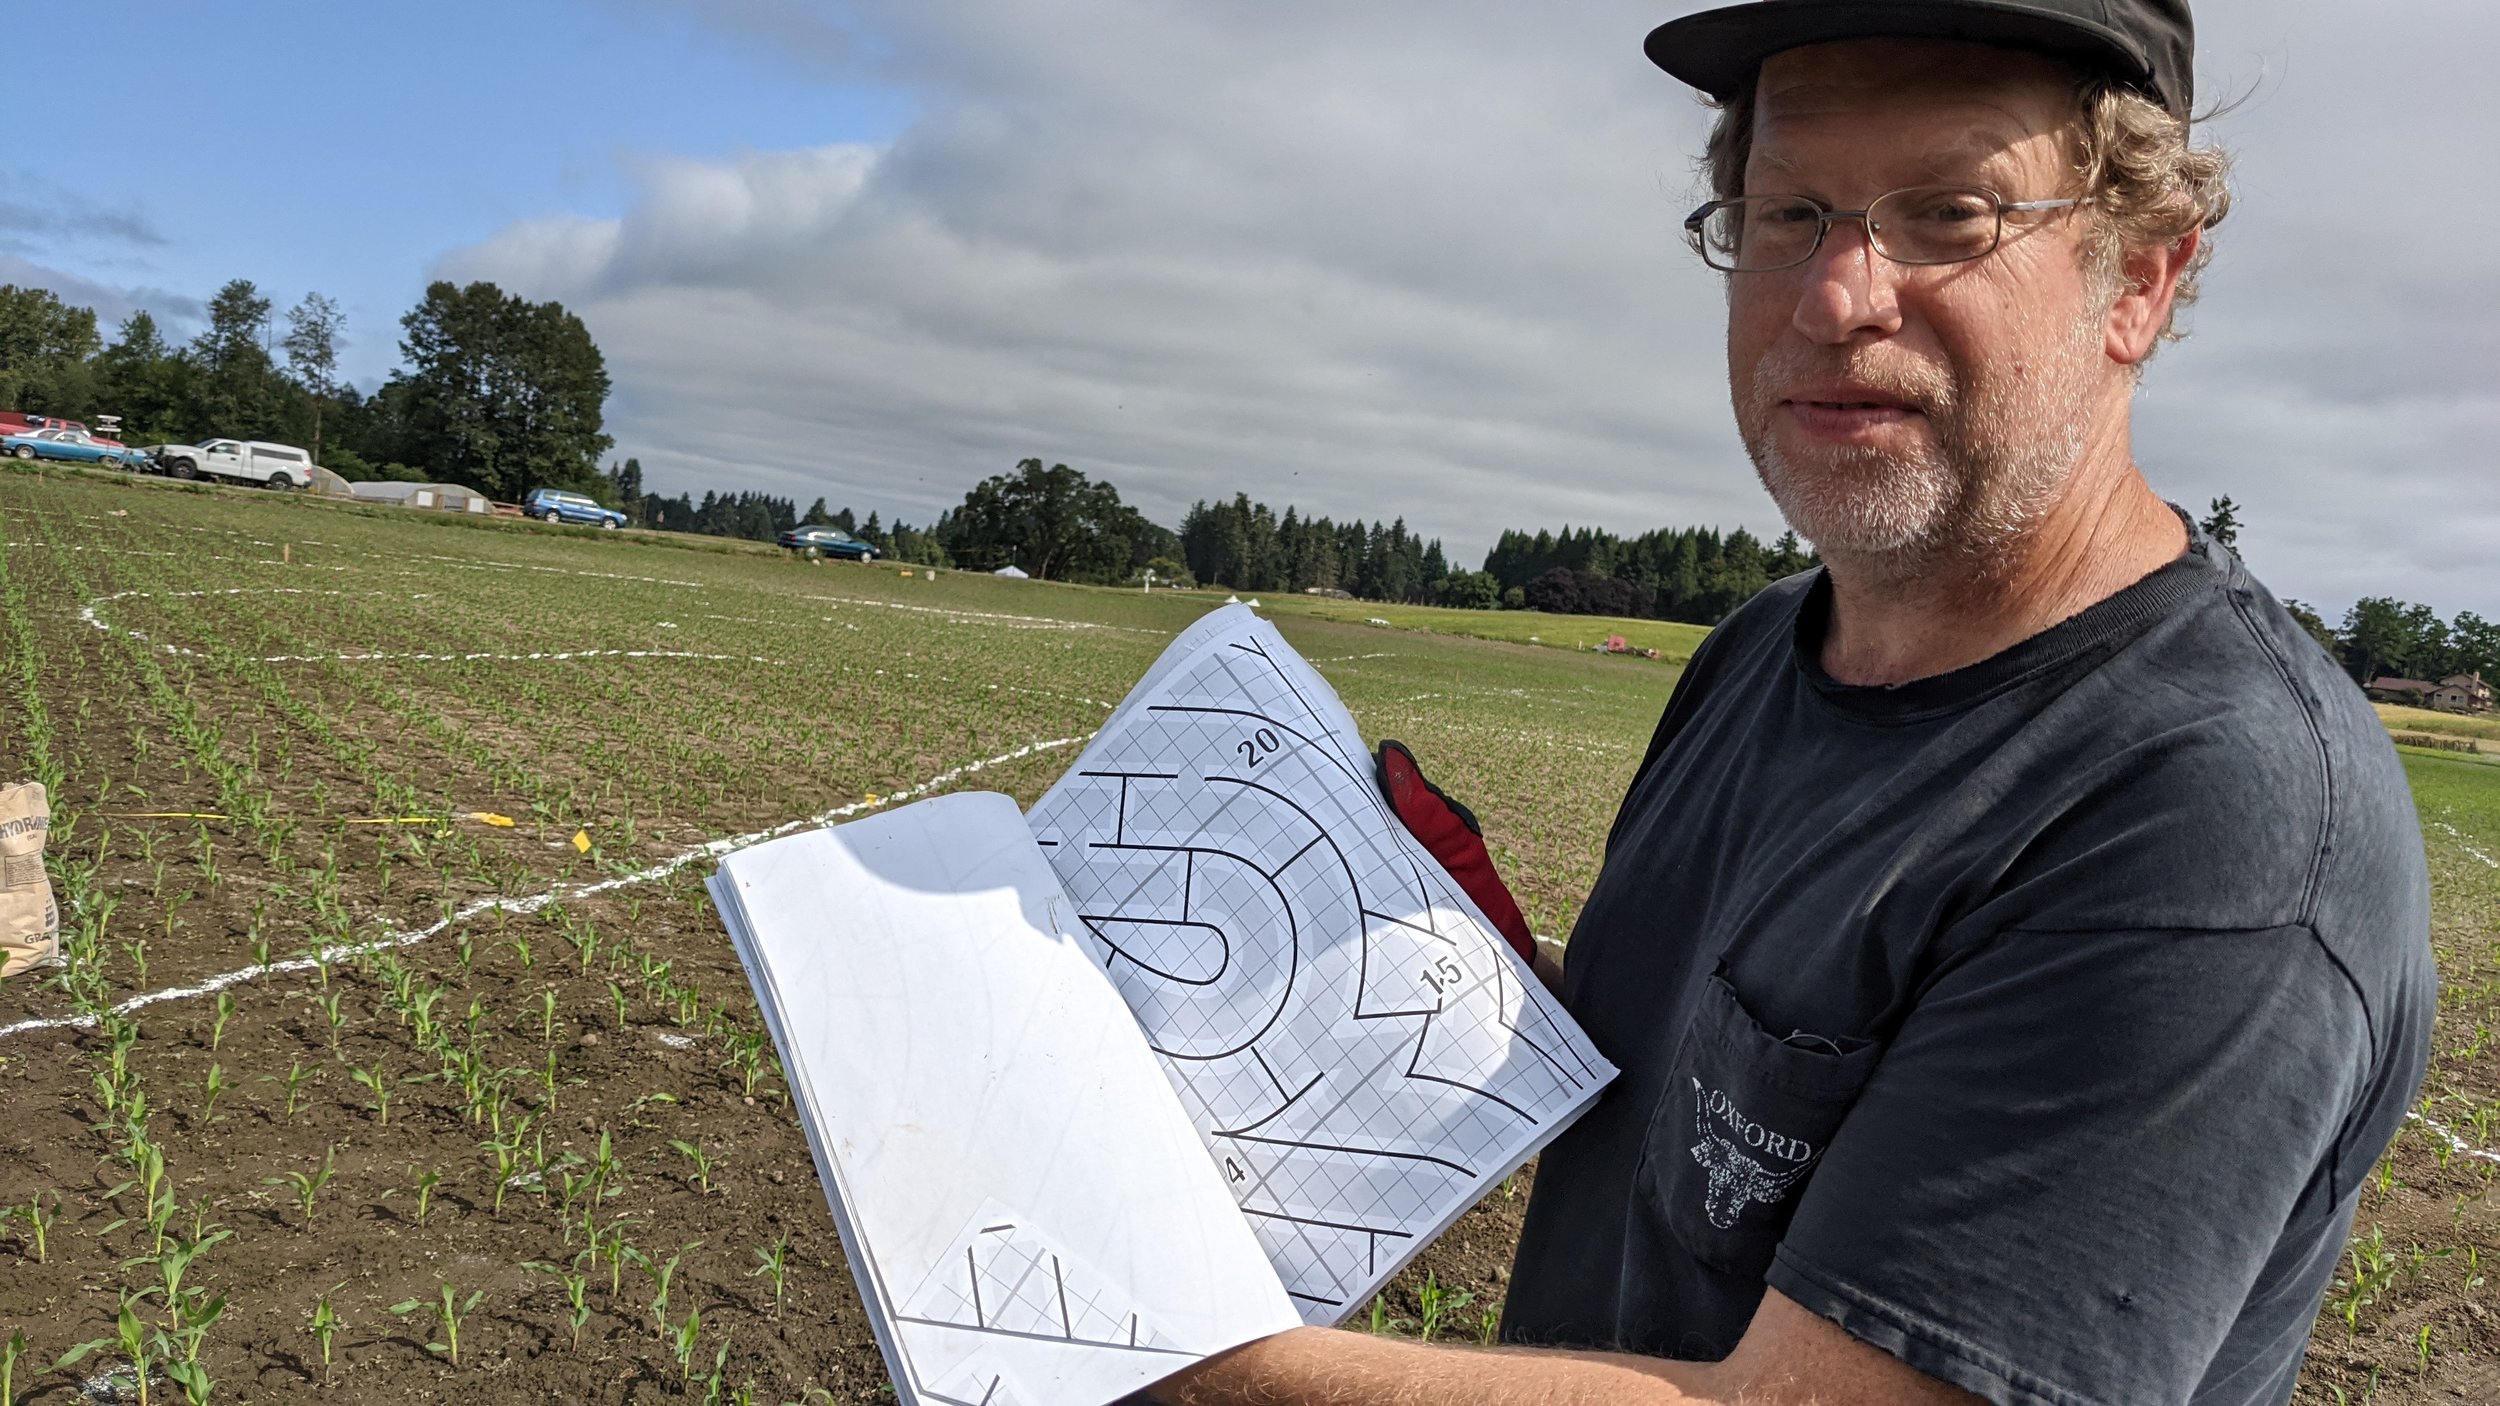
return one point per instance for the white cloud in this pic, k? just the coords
(1427, 262)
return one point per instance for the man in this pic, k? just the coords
(2016, 941)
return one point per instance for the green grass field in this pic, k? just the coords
(1674, 642)
(352, 1060)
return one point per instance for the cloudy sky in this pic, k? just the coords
(1371, 260)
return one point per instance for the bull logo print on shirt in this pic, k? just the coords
(1728, 1141)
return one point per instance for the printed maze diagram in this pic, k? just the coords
(1002, 1279)
(1360, 1052)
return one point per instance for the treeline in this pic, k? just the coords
(1245, 546)
(1052, 522)
(2382, 638)
(498, 393)
(1693, 574)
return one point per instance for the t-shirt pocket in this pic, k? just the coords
(1739, 1128)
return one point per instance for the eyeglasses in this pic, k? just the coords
(1916, 225)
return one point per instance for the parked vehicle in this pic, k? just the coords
(70, 446)
(11, 422)
(243, 460)
(556, 505)
(827, 542)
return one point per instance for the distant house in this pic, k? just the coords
(2462, 693)
(2394, 690)
(2457, 693)
(435, 497)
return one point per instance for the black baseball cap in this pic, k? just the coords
(2149, 45)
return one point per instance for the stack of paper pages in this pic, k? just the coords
(1204, 1047)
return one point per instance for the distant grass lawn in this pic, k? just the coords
(1674, 642)
(2400, 718)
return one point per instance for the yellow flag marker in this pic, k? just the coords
(581, 841)
(488, 817)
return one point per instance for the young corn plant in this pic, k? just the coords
(427, 1180)
(217, 1027)
(325, 1326)
(213, 1086)
(12, 1352)
(296, 1076)
(701, 1161)
(682, 1340)
(576, 1296)
(308, 1185)
(773, 1263)
(38, 1225)
(447, 1314)
(1436, 1304)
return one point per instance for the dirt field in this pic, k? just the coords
(333, 1046)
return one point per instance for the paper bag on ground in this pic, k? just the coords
(30, 927)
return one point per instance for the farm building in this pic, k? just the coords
(2462, 693)
(2457, 693)
(326, 484)
(439, 497)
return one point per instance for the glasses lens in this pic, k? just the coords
(1935, 224)
(1767, 232)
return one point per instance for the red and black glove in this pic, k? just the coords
(1449, 830)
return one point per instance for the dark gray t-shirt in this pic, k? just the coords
(2037, 1022)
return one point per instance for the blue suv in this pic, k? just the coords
(556, 505)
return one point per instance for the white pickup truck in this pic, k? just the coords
(244, 460)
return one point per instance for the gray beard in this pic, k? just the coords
(2000, 456)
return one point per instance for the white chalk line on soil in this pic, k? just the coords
(91, 613)
(2455, 1144)
(711, 849)
(2457, 835)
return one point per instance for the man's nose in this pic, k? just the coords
(1847, 291)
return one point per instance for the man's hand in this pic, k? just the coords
(1788, 1357)
(1450, 832)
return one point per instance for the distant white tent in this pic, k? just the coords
(439, 497)
(1012, 573)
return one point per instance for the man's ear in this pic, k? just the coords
(2148, 282)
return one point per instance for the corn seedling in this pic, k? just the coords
(325, 1326)
(12, 1352)
(217, 1027)
(576, 1296)
(447, 1315)
(296, 1075)
(1436, 1304)
(381, 1085)
(661, 1276)
(702, 1162)
(38, 1223)
(427, 1180)
(308, 1185)
(682, 1340)
(214, 1085)
(773, 1262)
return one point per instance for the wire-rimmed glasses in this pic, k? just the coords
(1913, 225)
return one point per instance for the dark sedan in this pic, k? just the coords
(827, 542)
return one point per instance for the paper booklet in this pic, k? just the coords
(1203, 1047)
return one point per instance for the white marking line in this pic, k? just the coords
(711, 849)
(89, 613)
(2455, 834)
(2455, 1143)
(1018, 622)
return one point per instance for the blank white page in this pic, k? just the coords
(1029, 1211)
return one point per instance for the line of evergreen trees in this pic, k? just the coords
(1245, 546)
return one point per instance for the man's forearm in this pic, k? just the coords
(1330, 1367)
